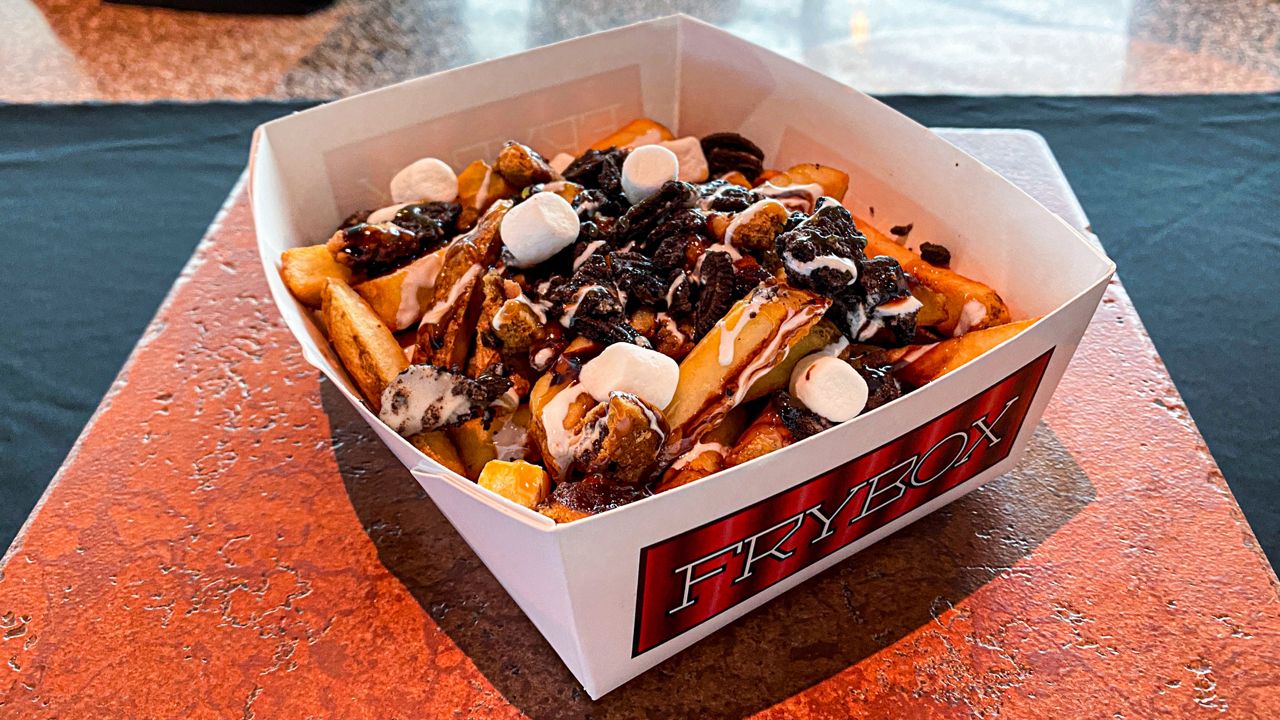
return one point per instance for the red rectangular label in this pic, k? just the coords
(692, 577)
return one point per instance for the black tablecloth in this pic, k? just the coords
(102, 205)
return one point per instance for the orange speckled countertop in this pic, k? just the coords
(228, 539)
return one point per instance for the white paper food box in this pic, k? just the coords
(619, 592)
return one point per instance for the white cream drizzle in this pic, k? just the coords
(436, 313)
(793, 197)
(561, 441)
(483, 193)
(973, 313)
(671, 290)
(718, 247)
(648, 137)
(542, 358)
(746, 216)
(670, 324)
(695, 452)
(832, 262)
(729, 333)
(572, 308)
(587, 252)
(511, 441)
(651, 416)
(901, 306)
(762, 363)
(912, 355)
(705, 203)
(419, 276)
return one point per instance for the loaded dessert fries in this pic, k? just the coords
(576, 334)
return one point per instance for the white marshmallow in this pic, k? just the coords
(829, 387)
(561, 161)
(425, 180)
(386, 214)
(623, 367)
(646, 169)
(693, 164)
(538, 228)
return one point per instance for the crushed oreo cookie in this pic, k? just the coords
(719, 291)
(372, 250)
(728, 152)
(935, 254)
(597, 169)
(797, 418)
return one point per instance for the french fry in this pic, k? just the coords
(478, 188)
(492, 296)
(951, 354)
(766, 434)
(444, 335)
(475, 444)
(437, 446)
(821, 335)
(518, 481)
(962, 300)
(834, 182)
(399, 298)
(638, 131)
(540, 396)
(752, 338)
(305, 270)
(366, 346)
(707, 456)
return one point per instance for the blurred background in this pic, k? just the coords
(1163, 114)
(74, 50)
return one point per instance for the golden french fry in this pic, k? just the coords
(444, 335)
(951, 354)
(491, 298)
(736, 178)
(437, 446)
(820, 335)
(305, 270)
(835, 183)
(750, 340)
(366, 346)
(399, 298)
(640, 129)
(707, 457)
(478, 188)
(766, 434)
(551, 440)
(965, 304)
(475, 444)
(518, 481)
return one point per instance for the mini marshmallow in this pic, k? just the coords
(561, 161)
(386, 214)
(425, 180)
(646, 169)
(623, 367)
(538, 228)
(688, 151)
(829, 387)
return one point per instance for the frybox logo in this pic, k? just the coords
(690, 578)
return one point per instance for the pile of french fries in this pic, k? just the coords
(429, 302)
